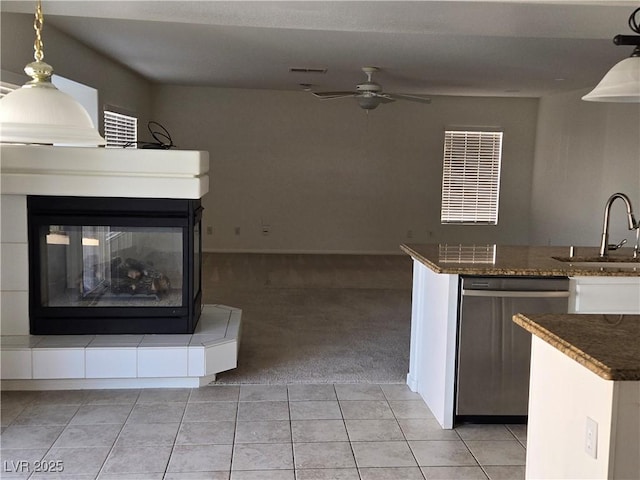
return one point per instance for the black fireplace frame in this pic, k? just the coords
(120, 211)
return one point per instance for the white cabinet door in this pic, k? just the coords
(604, 295)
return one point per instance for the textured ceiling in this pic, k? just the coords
(495, 48)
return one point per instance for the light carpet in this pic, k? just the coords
(315, 318)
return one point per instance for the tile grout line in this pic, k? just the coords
(63, 429)
(293, 454)
(118, 436)
(100, 470)
(48, 449)
(403, 434)
(173, 446)
(235, 432)
(482, 466)
(344, 422)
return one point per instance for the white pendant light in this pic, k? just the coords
(622, 83)
(40, 113)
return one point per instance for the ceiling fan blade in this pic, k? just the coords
(385, 98)
(333, 95)
(411, 98)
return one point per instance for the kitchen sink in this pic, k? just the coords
(602, 262)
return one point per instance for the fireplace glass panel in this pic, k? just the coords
(111, 266)
(197, 260)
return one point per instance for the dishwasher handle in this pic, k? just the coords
(516, 294)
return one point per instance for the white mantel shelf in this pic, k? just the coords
(103, 172)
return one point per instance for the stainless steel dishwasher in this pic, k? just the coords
(492, 383)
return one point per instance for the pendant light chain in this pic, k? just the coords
(40, 114)
(39, 71)
(38, 23)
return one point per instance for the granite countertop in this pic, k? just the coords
(518, 260)
(606, 344)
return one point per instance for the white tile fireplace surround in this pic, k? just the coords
(100, 361)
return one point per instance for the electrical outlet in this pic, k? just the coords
(591, 438)
(237, 230)
(266, 229)
(209, 230)
(409, 233)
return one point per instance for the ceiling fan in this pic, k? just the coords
(369, 94)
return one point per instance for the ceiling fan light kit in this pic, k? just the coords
(369, 94)
(622, 83)
(368, 103)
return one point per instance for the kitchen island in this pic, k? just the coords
(584, 406)
(436, 297)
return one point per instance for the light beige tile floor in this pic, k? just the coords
(244, 432)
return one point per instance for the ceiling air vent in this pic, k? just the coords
(307, 70)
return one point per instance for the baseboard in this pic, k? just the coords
(303, 252)
(412, 382)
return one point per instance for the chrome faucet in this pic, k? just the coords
(633, 225)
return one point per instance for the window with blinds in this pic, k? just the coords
(471, 177)
(120, 131)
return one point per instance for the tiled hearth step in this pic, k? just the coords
(121, 361)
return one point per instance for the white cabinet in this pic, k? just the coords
(564, 397)
(433, 340)
(604, 295)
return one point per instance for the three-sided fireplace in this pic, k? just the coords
(102, 265)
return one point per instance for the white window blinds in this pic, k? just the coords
(120, 130)
(471, 177)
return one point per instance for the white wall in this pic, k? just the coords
(328, 177)
(585, 152)
(116, 85)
